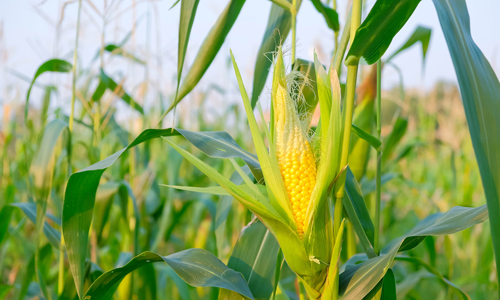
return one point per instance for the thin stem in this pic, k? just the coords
(294, 28)
(60, 275)
(379, 158)
(336, 33)
(352, 73)
(75, 56)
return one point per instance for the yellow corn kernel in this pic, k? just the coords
(295, 157)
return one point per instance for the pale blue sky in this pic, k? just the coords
(29, 38)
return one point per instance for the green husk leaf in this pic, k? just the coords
(268, 162)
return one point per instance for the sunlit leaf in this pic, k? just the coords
(209, 49)
(375, 34)
(52, 65)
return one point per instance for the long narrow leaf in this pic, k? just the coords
(209, 49)
(479, 87)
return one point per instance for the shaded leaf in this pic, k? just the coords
(479, 87)
(372, 140)
(330, 15)
(197, 267)
(254, 256)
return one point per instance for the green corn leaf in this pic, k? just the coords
(318, 220)
(259, 206)
(331, 284)
(373, 141)
(375, 34)
(29, 209)
(52, 65)
(79, 202)
(364, 118)
(389, 286)
(209, 49)
(82, 187)
(269, 163)
(479, 87)
(197, 267)
(42, 168)
(397, 133)
(188, 12)
(283, 4)
(223, 209)
(421, 34)
(280, 260)
(118, 50)
(5, 215)
(331, 17)
(417, 261)
(175, 3)
(369, 274)
(217, 190)
(105, 82)
(220, 144)
(41, 172)
(277, 29)
(29, 273)
(355, 207)
(104, 200)
(254, 256)
(4, 290)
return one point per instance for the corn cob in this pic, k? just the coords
(295, 157)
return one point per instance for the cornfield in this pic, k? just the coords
(308, 182)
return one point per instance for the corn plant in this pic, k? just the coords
(302, 218)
